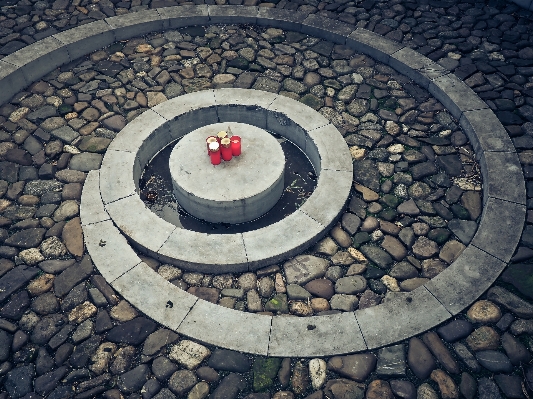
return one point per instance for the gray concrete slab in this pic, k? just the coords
(181, 105)
(205, 253)
(485, 131)
(146, 229)
(250, 114)
(135, 24)
(326, 28)
(292, 119)
(466, 279)
(185, 123)
(455, 95)
(500, 219)
(181, 16)
(245, 106)
(136, 132)
(12, 81)
(315, 336)
(281, 240)
(281, 124)
(189, 112)
(376, 46)
(279, 18)
(154, 296)
(91, 206)
(300, 113)
(327, 149)
(145, 136)
(109, 250)
(502, 177)
(38, 59)
(400, 318)
(327, 201)
(417, 67)
(228, 328)
(86, 38)
(116, 175)
(232, 15)
(527, 4)
(246, 97)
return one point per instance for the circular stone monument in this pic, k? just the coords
(235, 191)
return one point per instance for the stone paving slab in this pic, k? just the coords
(327, 149)
(326, 28)
(455, 95)
(374, 45)
(274, 240)
(86, 38)
(182, 16)
(225, 14)
(329, 196)
(109, 250)
(153, 295)
(116, 176)
(507, 216)
(228, 328)
(135, 24)
(484, 131)
(281, 19)
(316, 336)
(400, 318)
(230, 103)
(502, 177)
(12, 80)
(137, 132)
(146, 227)
(201, 252)
(92, 208)
(39, 58)
(466, 279)
(415, 66)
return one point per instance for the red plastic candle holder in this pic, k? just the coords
(225, 149)
(235, 146)
(214, 153)
(209, 140)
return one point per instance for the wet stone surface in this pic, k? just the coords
(65, 333)
(415, 175)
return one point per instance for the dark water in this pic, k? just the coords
(300, 181)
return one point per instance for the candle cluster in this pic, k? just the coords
(223, 147)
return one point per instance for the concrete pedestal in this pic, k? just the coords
(235, 191)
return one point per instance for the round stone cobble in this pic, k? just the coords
(491, 67)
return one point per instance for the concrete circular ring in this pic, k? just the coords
(438, 300)
(146, 135)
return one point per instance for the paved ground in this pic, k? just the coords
(65, 333)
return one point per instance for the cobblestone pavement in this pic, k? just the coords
(65, 333)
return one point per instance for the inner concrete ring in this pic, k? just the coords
(142, 138)
(440, 299)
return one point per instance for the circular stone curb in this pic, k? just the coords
(412, 313)
(146, 135)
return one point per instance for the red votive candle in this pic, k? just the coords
(221, 135)
(225, 149)
(209, 140)
(214, 153)
(235, 146)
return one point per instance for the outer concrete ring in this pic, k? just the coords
(146, 135)
(444, 296)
